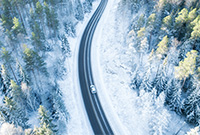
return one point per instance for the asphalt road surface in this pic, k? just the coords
(93, 107)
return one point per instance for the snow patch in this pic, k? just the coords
(78, 121)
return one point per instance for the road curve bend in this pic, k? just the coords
(96, 115)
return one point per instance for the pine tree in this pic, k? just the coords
(17, 4)
(39, 12)
(196, 31)
(22, 75)
(34, 61)
(151, 20)
(167, 23)
(141, 32)
(191, 105)
(46, 125)
(17, 27)
(7, 16)
(35, 65)
(144, 46)
(140, 22)
(187, 66)
(43, 130)
(65, 47)
(160, 81)
(87, 5)
(180, 23)
(162, 47)
(173, 96)
(192, 15)
(8, 61)
(147, 84)
(182, 17)
(78, 11)
(38, 38)
(51, 19)
(11, 113)
(17, 94)
(59, 111)
(51, 2)
(6, 80)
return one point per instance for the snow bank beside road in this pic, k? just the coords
(78, 122)
(107, 104)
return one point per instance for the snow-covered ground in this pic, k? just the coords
(112, 79)
(124, 109)
(78, 122)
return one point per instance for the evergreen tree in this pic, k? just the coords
(180, 23)
(43, 130)
(65, 48)
(141, 32)
(17, 27)
(192, 15)
(187, 66)
(11, 113)
(192, 104)
(59, 112)
(17, 94)
(39, 11)
(7, 16)
(34, 61)
(147, 84)
(140, 22)
(162, 47)
(35, 65)
(173, 96)
(151, 20)
(160, 82)
(22, 75)
(8, 61)
(46, 125)
(182, 17)
(51, 19)
(6, 80)
(38, 39)
(18, 5)
(144, 46)
(167, 23)
(78, 11)
(196, 31)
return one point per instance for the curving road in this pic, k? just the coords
(93, 107)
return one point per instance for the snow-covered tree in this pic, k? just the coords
(187, 66)
(162, 47)
(194, 131)
(46, 125)
(8, 61)
(10, 129)
(11, 113)
(173, 96)
(191, 104)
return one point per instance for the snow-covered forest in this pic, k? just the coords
(148, 52)
(34, 47)
(150, 65)
(165, 39)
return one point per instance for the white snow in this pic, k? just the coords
(33, 120)
(78, 122)
(112, 79)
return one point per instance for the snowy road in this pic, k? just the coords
(93, 107)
